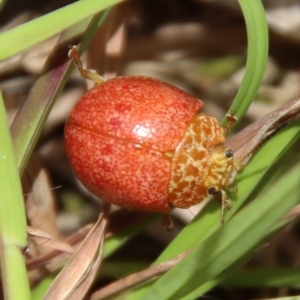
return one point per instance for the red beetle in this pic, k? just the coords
(141, 144)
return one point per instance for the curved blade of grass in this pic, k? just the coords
(13, 236)
(207, 222)
(221, 277)
(31, 117)
(260, 277)
(257, 36)
(26, 35)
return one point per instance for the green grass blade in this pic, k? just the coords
(12, 219)
(242, 233)
(232, 269)
(264, 276)
(40, 290)
(257, 36)
(38, 30)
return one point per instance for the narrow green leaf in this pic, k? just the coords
(257, 56)
(12, 219)
(38, 30)
(264, 277)
(40, 290)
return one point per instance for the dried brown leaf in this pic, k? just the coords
(55, 256)
(43, 238)
(118, 221)
(76, 277)
(248, 140)
(40, 198)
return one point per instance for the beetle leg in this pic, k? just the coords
(167, 222)
(225, 205)
(230, 121)
(86, 73)
(233, 189)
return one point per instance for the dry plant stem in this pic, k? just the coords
(293, 213)
(75, 279)
(136, 279)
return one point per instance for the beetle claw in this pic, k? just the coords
(167, 222)
(226, 204)
(230, 121)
